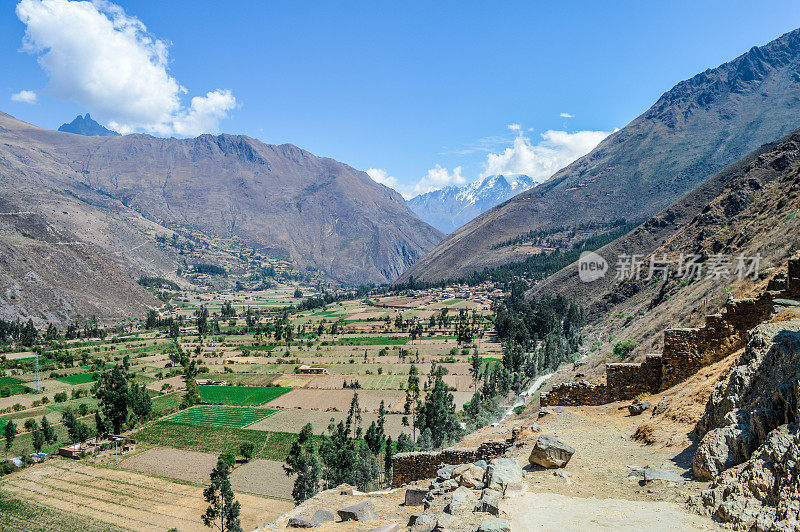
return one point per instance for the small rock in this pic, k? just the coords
(300, 522)
(481, 463)
(394, 527)
(490, 502)
(446, 521)
(637, 408)
(495, 525)
(322, 516)
(449, 485)
(535, 427)
(363, 511)
(503, 474)
(550, 452)
(415, 497)
(446, 472)
(651, 475)
(563, 474)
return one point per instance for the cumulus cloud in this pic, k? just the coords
(24, 97)
(106, 61)
(379, 175)
(566, 115)
(514, 127)
(434, 179)
(553, 152)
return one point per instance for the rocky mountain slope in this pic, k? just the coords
(86, 125)
(451, 207)
(694, 130)
(117, 193)
(748, 210)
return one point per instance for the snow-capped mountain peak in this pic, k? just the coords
(451, 207)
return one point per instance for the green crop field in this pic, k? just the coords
(210, 439)
(374, 340)
(219, 416)
(78, 378)
(240, 395)
(14, 385)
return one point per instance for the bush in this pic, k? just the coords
(623, 348)
(60, 397)
(246, 450)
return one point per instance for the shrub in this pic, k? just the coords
(624, 347)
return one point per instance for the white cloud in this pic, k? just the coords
(380, 175)
(24, 97)
(434, 179)
(514, 127)
(555, 151)
(105, 60)
(566, 115)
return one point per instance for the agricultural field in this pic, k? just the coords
(240, 395)
(113, 499)
(265, 399)
(219, 416)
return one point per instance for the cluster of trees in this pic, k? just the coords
(158, 283)
(210, 269)
(432, 415)
(537, 337)
(17, 332)
(346, 454)
(121, 402)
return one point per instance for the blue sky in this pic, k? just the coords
(422, 93)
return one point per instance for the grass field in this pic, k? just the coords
(164, 404)
(219, 416)
(210, 439)
(78, 378)
(240, 395)
(374, 340)
(14, 385)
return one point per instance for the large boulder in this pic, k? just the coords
(469, 475)
(463, 500)
(415, 497)
(490, 502)
(549, 452)
(720, 449)
(503, 474)
(363, 511)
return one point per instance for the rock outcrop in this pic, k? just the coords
(750, 442)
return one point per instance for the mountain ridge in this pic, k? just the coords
(85, 125)
(451, 207)
(692, 131)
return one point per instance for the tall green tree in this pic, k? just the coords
(223, 509)
(304, 462)
(47, 431)
(10, 434)
(438, 413)
(115, 397)
(412, 398)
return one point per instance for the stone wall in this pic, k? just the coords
(575, 394)
(627, 380)
(686, 350)
(409, 467)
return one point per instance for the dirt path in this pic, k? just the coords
(596, 491)
(549, 511)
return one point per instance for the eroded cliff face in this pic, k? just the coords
(750, 443)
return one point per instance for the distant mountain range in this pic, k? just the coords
(86, 125)
(449, 208)
(81, 215)
(694, 130)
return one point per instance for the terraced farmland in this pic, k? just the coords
(241, 395)
(219, 416)
(112, 499)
